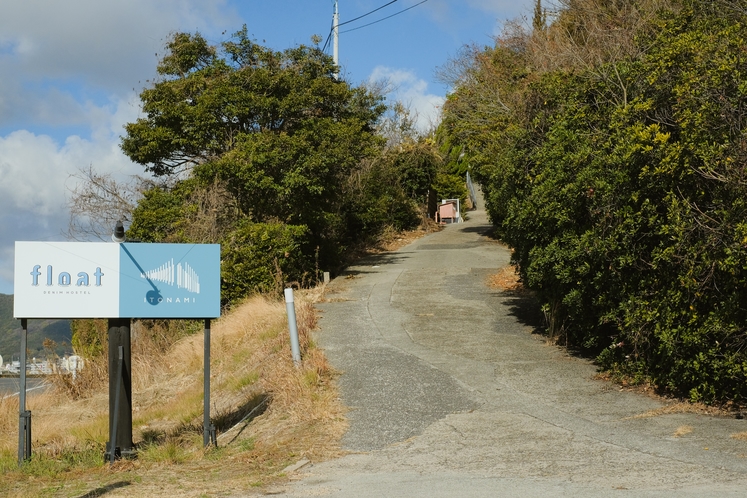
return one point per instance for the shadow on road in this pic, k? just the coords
(376, 259)
(526, 309)
(481, 229)
(105, 489)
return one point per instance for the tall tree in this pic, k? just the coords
(257, 148)
(275, 130)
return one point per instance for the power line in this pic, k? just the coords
(371, 23)
(331, 29)
(353, 20)
(383, 18)
(368, 13)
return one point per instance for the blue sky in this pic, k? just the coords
(70, 73)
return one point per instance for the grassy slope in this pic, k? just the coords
(298, 415)
(56, 330)
(302, 416)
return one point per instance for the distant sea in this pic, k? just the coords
(10, 385)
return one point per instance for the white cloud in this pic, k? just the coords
(105, 43)
(34, 168)
(35, 177)
(412, 91)
(75, 65)
(56, 55)
(32, 173)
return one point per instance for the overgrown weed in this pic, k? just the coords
(268, 412)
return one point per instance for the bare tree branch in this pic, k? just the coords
(96, 201)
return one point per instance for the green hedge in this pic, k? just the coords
(263, 257)
(626, 202)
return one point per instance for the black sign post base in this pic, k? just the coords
(24, 415)
(208, 429)
(120, 391)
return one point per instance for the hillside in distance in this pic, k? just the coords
(39, 330)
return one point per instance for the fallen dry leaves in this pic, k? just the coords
(506, 279)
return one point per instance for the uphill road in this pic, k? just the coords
(453, 391)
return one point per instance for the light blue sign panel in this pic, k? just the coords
(169, 280)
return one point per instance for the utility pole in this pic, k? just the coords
(336, 35)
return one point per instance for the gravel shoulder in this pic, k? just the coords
(451, 392)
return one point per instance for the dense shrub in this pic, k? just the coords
(263, 257)
(621, 186)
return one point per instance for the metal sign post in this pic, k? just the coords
(120, 391)
(24, 426)
(208, 429)
(290, 309)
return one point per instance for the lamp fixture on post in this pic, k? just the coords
(118, 235)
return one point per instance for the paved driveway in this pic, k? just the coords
(453, 393)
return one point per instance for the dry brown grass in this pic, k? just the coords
(300, 415)
(392, 240)
(91, 380)
(683, 430)
(506, 279)
(8, 414)
(681, 407)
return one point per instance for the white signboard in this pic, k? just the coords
(108, 280)
(66, 280)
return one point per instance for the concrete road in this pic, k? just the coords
(452, 392)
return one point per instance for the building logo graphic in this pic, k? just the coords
(180, 275)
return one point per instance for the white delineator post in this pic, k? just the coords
(292, 326)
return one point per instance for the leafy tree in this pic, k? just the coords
(89, 337)
(273, 134)
(270, 155)
(393, 189)
(377, 200)
(448, 186)
(156, 216)
(539, 19)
